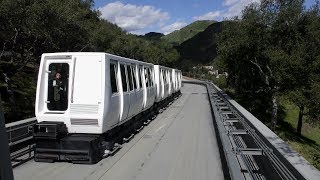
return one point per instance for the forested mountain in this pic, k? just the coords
(155, 36)
(179, 36)
(202, 47)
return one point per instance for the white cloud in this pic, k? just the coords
(236, 8)
(229, 2)
(208, 16)
(172, 27)
(232, 8)
(133, 18)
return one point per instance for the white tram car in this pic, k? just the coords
(86, 100)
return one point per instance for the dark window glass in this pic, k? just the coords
(130, 78)
(146, 75)
(140, 76)
(135, 79)
(161, 77)
(150, 77)
(113, 78)
(166, 77)
(176, 79)
(123, 77)
(58, 79)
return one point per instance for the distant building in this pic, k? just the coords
(213, 72)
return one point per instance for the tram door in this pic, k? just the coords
(57, 85)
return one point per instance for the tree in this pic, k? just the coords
(270, 52)
(309, 28)
(243, 45)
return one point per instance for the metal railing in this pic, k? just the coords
(20, 140)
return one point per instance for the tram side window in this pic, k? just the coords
(131, 86)
(113, 78)
(150, 77)
(166, 76)
(176, 79)
(146, 77)
(135, 79)
(123, 78)
(140, 76)
(161, 77)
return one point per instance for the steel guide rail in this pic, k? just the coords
(282, 169)
(245, 152)
(263, 150)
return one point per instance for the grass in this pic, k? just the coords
(308, 145)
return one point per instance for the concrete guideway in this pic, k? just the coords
(179, 144)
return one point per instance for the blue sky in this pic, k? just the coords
(165, 16)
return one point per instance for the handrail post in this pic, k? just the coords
(5, 162)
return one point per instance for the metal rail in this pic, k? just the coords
(246, 153)
(272, 167)
(20, 141)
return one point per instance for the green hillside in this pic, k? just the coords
(152, 36)
(179, 36)
(202, 47)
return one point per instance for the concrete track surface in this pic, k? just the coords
(179, 144)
